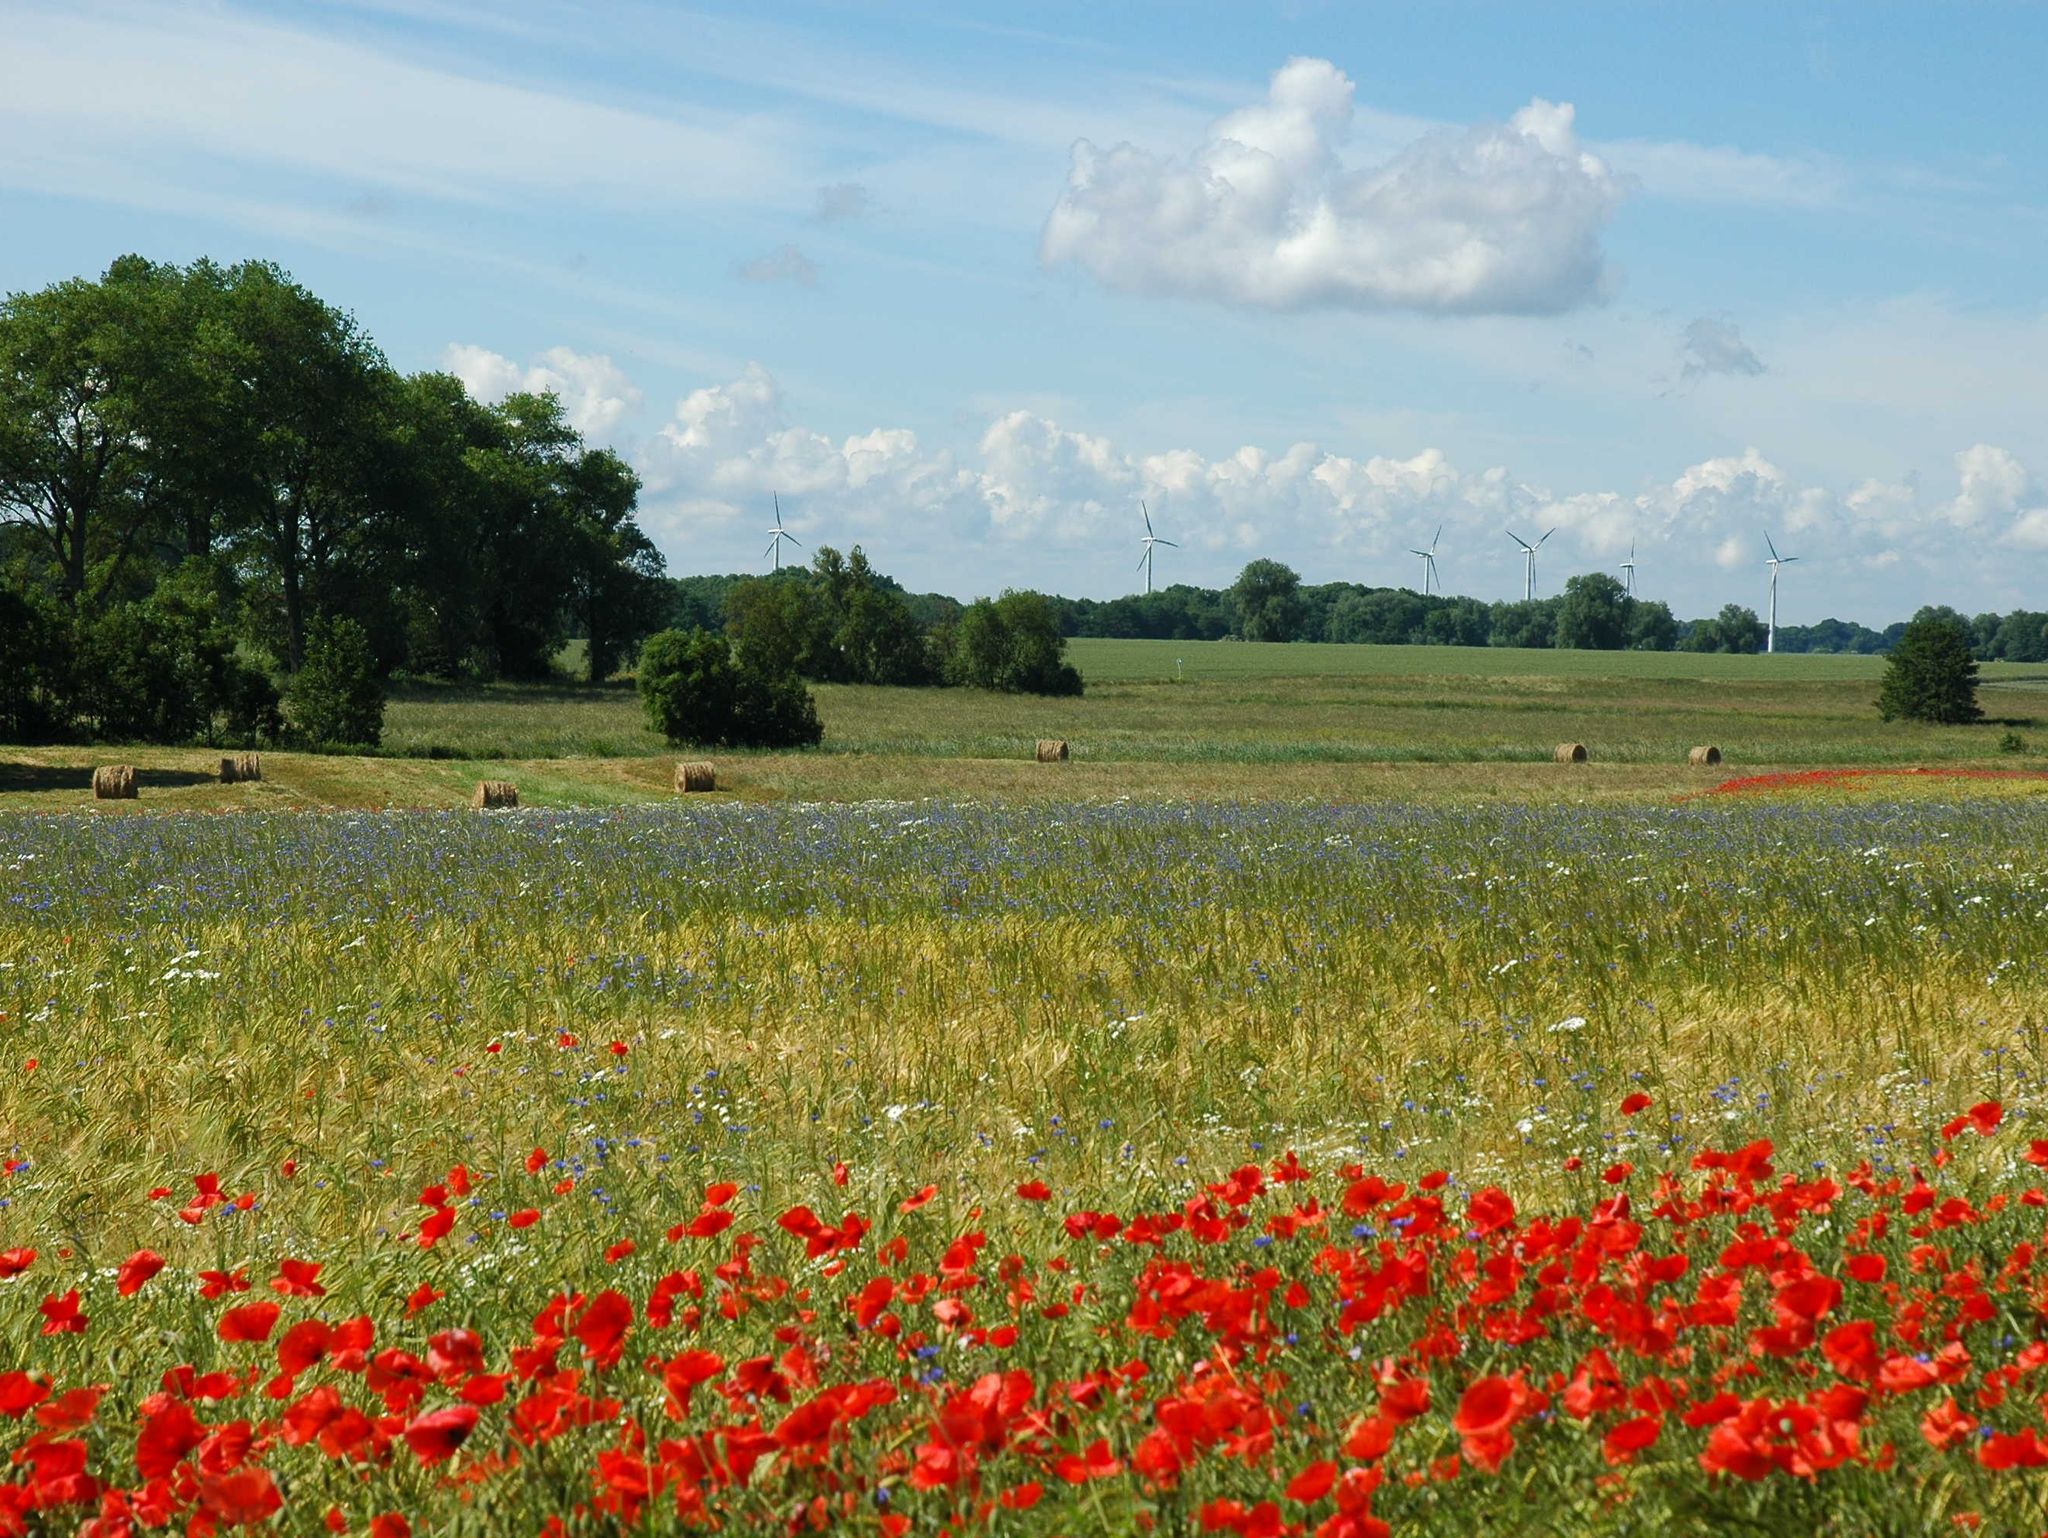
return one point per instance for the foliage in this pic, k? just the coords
(695, 690)
(1734, 629)
(839, 622)
(335, 699)
(33, 666)
(1593, 613)
(1932, 675)
(1011, 644)
(161, 416)
(1267, 597)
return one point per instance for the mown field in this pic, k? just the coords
(1342, 722)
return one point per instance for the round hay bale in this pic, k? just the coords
(1052, 750)
(695, 775)
(1704, 758)
(1570, 753)
(114, 782)
(241, 769)
(492, 795)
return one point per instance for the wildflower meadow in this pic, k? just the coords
(925, 1167)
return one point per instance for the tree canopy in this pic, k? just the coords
(168, 432)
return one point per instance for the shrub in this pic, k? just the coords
(696, 691)
(1932, 675)
(2012, 742)
(335, 699)
(32, 671)
(1013, 645)
(164, 670)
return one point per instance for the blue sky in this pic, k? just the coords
(964, 283)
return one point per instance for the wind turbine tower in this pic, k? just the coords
(778, 534)
(1628, 571)
(1151, 539)
(1776, 560)
(1529, 561)
(1429, 575)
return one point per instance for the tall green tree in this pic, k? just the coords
(78, 364)
(1268, 600)
(616, 589)
(1592, 613)
(1932, 673)
(312, 392)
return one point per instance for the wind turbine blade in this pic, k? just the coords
(1552, 530)
(1147, 556)
(1166, 542)
(794, 540)
(771, 548)
(778, 507)
(1148, 515)
(1436, 539)
(1511, 534)
(1770, 547)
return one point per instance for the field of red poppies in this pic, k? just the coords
(1070, 1170)
(1284, 1349)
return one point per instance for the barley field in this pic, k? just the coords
(1162, 1164)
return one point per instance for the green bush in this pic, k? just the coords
(1013, 645)
(335, 699)
(696, 691)
(32, 670)
(1932, 675)
(164, 670)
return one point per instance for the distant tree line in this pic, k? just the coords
(1270, 602)
(211, 481)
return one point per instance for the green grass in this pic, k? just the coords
(1265, 705)
(1328, 722)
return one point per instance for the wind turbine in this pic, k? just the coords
(1776, 560)
(1628, 571)
(1528, 562)
(778, 534)
(1151, 539)
(1429, 563)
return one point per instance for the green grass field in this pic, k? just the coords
(1291, 721)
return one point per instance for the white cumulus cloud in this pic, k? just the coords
(595, 393)
(1264, 212)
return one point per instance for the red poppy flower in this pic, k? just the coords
(435, 1436)
(1488, 1405)
(61, 1315)
(250, 1322)
(525, 1217)
(20, 1393)
(1035, 1191)
(14, 1262)
(297, 1279)
(1630, 1437)
(136, 1270)
(1636, 1102)
(912, 1203)
(1312, 1483)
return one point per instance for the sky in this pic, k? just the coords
(966, 284)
